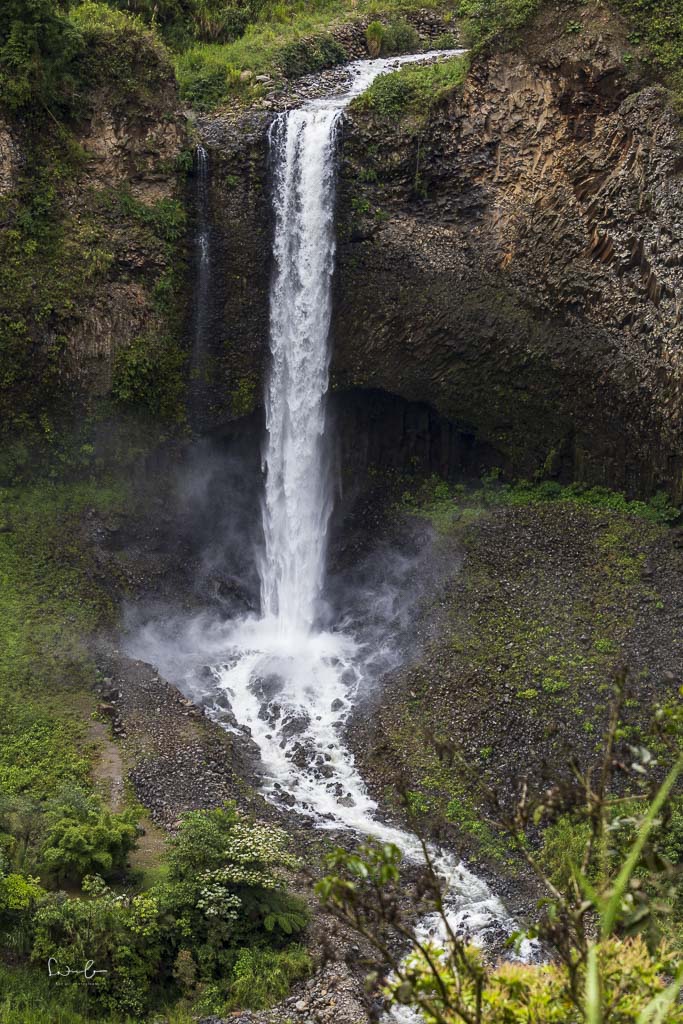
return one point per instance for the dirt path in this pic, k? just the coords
(109, 771)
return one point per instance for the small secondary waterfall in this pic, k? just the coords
(297, 501)
(202, 248)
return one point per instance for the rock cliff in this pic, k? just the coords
(93, 249)
(515, 260)
(509, 256)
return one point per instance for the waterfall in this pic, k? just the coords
(289, 685)
(297, 502)
(202, 247)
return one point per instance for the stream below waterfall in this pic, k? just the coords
(290, 684)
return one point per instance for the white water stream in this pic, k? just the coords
(290, 684)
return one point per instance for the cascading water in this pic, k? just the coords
(202, 245)
(289, 684)
(297, 501)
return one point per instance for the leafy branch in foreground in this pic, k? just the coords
(604, 959)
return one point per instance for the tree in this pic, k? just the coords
(85, 838)
(228, 876)
(37, 47)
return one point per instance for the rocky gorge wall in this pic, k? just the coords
(93, 286)
(511, 257)
(515, 259)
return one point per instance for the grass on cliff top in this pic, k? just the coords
(414, 89)
(656, 27)
(292, 40)
(48, 605)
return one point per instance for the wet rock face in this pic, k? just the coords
(240, 217)
(516, 263)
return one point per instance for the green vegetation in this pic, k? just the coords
(289, 41)
(215, 929)
(600, 915)
(48, 605)
(262, 977)
(243, 397)
(489, 22)
(657, 32)
(148, 375)
(119, 52)
(305, 56)
(63, 242)
(49, 60)
(445, 504)
(182, 22)
(216, 933)
(441, 795)
(526, 639)
(564, 843)
(84, 838)
(413, 90)
(396, 37)
(56, 260)
(37, 48)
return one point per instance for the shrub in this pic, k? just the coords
(484, 20)
(182, 22)
(204, 80)
(217, 929)
(84, 838)
(400, 37)
(119, 935)
(263, 977)
(397, 37)
(37, 49)
(216, 21)
(228, 873)
(305, 56)
(598, 917)
(374, 38)
(564, 844)
(201, 842)
(413, 89)
(447, 41)
(658, 26)
(18, 896)
(120, 52)
(148, 375)
(631, 980)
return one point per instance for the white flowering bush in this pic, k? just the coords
(228, 885)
